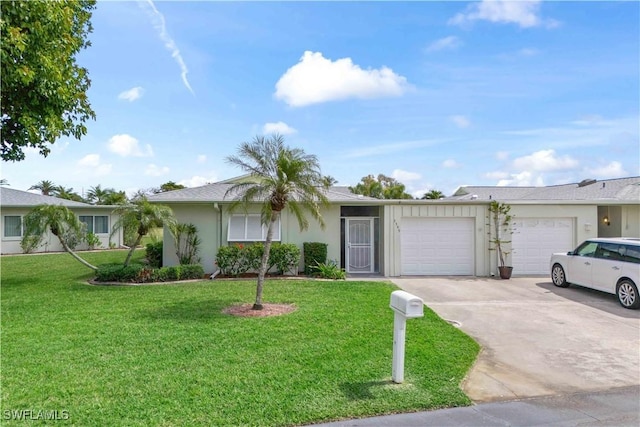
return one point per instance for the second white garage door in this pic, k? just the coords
(535, 239)
(437, 246)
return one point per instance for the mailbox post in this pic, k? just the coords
(405, 306)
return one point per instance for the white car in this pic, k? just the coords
(608, 265)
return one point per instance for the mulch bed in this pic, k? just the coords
(245, 310)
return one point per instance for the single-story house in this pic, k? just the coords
(15, 204)
(423, 237)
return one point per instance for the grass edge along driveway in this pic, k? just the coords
(167, 355)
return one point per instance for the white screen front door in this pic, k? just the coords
(359, 245)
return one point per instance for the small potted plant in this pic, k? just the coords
(499, 228)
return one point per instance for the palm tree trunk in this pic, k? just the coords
(265, 261)
(73, 254)
(132, 250)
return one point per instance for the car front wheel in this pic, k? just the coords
(627, 293)
(558, 277)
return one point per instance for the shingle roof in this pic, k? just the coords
(215, 193)
(10, 197)
(621, 189)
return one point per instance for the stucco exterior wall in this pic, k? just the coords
(50, 243)
(213, 224)
(206, 218)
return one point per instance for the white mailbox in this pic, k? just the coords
(406, 304)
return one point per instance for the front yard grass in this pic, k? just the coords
(167, 356)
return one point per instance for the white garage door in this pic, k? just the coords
(535, 239)
(437, 246)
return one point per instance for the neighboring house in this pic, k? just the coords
(15, 204)
(423, 237)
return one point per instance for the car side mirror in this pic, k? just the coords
(570, 253)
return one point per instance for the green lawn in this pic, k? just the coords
(166, 356)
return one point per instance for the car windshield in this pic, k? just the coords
(586, 249)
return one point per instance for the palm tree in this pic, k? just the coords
(4, 182)
(433, 195)
(143, 216)
(59, 220)
(97, 195)
(47, 188)
(279, 177)
(68, 194)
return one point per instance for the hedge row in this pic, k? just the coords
(236, 259)
(138, 273)
(315, 253)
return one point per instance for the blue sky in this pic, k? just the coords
(435, 94)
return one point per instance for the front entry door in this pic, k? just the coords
(359, 245)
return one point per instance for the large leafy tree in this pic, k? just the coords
(45, 187)
(143, 217)
(279, 177)
(433, 195)
(381, 187)
(57, 219)
(44, 90)
(168, 186)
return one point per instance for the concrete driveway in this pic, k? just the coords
(537, 339)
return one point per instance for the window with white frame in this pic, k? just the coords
(12, 226)
(248, 228)
(98, 224)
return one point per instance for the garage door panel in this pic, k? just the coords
(535, 239)
(437, 246)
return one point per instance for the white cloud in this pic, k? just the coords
(450, 164)
(496, 175)
(197, 181)
(522, 179)
(612, 170)
(445, 43)
(404, 176)
(316, 79)
(279, 127)
(526, 14)
(544, 161)
(202, 158)
(159, 24)
(131, 94)
(155, 170)
(91, 163)
(461, 121)
(90, 160)
(126, 146)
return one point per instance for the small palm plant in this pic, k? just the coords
(279, 177)
(60, 221)
(143, 216)
(499, 227)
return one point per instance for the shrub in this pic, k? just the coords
(314, 253)
(92, 241)
(330, 270)
(191, 271)
(118, 272)
(187, 243)
(154, 254)
(137, 273)
(30, 242)
(284, 257)
(251, 256)
(229, 260)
